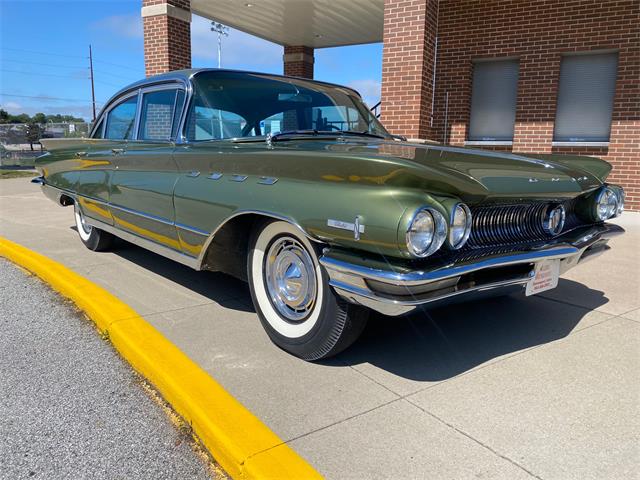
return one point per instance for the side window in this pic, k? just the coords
(157, 116)
(98, 131)
(207, 123)
(121, 120)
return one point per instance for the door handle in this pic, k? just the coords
(81, 154)
(193, 173)
(117, 151)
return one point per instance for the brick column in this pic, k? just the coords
(167, 35)
(298, 61)
(409, 35)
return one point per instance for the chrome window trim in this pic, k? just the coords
(173, 85)
(114, 104)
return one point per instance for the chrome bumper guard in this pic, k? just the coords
(394, 290)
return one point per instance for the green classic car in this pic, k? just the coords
(294, 186)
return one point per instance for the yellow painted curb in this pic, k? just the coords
(243, 445)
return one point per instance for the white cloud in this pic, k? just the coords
(369, 89)
(129, 25)
(12, 107)
(239, 50)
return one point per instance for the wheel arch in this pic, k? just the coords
(227, 247)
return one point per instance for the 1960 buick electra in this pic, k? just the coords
(294, 186)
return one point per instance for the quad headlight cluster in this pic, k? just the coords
(609, 203)
(428, 230)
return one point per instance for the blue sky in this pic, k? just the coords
(44, 50)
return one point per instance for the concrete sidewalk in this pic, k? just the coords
(507, 388)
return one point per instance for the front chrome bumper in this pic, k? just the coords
(393, 289)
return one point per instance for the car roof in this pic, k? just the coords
(187, 74)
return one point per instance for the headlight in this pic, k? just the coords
(426, 233)
(620, 197)
(606, 204)
(460, 227)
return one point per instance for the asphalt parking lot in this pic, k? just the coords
(70, 407)
(544, 387)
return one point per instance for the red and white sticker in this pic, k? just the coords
(547, 273)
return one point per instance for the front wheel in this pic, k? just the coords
(92, 237)
(292, 296)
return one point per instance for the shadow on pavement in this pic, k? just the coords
(430, 345)
(223, 289)
(441, 343)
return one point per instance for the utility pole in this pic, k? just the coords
(221, 30)
(93, 91)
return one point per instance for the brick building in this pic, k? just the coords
(547, 76)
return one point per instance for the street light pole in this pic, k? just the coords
(221, 30)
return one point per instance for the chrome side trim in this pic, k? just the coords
(267, 180)
(147, 244)
(148, 216)
(192, 229)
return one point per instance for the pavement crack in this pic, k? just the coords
(479, 442)
(293, 439)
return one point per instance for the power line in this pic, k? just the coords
(117, 65)
(79, 67)
(40, 74)
(42, 53)
(46, 97)
(72, 56)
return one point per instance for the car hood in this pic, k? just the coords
(462, 171)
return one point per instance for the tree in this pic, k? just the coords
(39, 118)
(4, 116)
(33, 133)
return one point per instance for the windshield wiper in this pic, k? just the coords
(360, 134)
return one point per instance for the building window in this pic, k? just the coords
(585, 97)
(493, 100)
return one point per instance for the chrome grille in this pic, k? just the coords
(499, 225)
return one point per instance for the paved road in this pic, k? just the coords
(69, 406)
(538, 387)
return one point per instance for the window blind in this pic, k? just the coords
(493, 100)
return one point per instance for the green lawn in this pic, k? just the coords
(17, 173)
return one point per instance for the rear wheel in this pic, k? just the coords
(92, 237)
(292, 296)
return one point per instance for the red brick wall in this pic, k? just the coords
(298, 68)
(537, 33)
(407, 66)
(167, 40)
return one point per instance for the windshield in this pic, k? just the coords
(236, 104)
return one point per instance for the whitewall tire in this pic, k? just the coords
(292, 296)
(92, 237)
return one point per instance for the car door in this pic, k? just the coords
(94, 159)
(145, 172)
(211, 173)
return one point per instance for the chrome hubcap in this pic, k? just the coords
(290, 278)
(84, 225)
